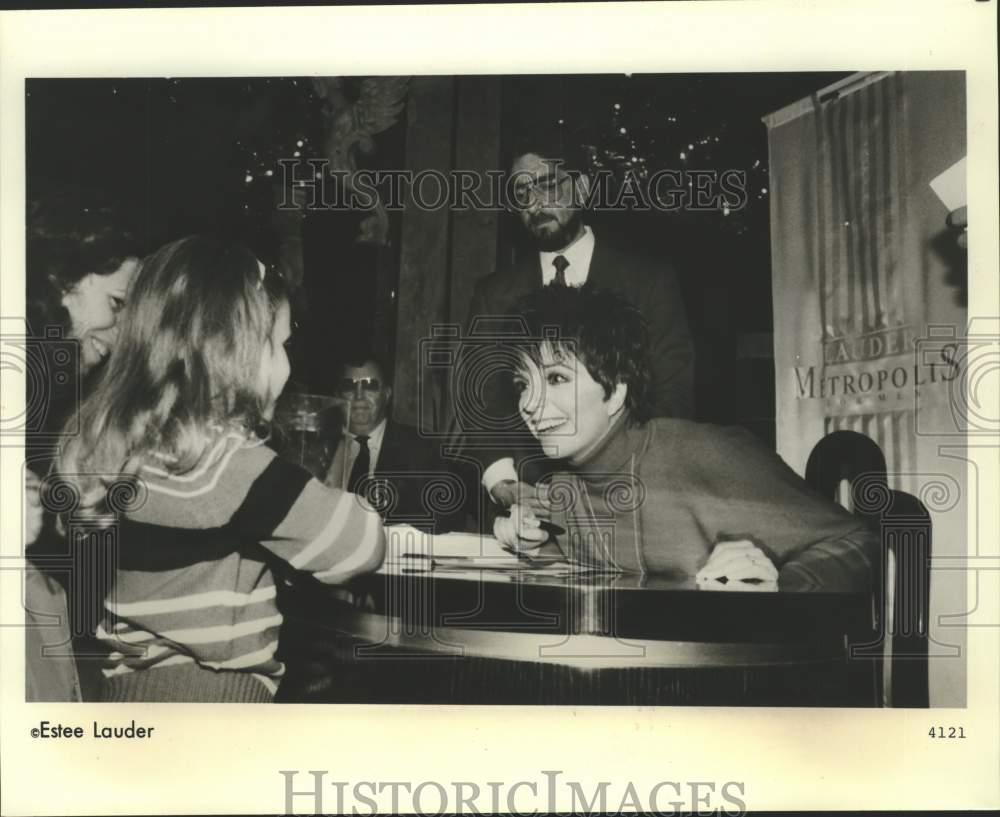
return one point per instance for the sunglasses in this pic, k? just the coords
(368, 384)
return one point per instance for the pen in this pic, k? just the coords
(523, 557)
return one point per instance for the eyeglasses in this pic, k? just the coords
(544, 189)
(368, 384)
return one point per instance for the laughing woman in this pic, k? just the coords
(80, 265)
(662, 495)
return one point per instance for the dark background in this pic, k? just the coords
(176, 154)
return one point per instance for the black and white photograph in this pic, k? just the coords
(586, 391)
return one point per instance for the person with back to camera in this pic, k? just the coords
(212, 513)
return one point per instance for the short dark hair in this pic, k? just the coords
(602, 330)
(359, 357)
(553, 144)
(71, 234)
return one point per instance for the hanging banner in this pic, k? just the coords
(870, 294)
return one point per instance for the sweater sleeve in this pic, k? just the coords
(328, 532)
(816, 544)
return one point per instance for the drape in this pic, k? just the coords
(870, 299)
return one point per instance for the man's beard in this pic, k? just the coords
(552, 240)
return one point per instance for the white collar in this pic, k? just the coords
(374, 438)
(579, 255)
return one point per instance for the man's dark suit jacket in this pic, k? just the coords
(423, 489)
(648, 284)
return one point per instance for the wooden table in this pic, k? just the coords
(474, 637)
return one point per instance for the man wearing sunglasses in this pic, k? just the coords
(388, 462)
(548, 192)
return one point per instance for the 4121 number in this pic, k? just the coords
(947, 732)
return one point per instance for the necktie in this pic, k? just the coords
(359, 471)
(560, 263)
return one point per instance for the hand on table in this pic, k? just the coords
(533, 498)
(742, 564)
(521, 530)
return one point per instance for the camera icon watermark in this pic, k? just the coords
(81, 545)
(969, 365)
(46, 368)
(480, 368)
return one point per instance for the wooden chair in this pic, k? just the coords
(902, 592)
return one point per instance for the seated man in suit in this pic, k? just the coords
(550, 192)
(644, 494)
(389, 463)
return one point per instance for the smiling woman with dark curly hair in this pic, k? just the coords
(80, 265)
(661, 495)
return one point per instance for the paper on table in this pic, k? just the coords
(950, 186)
(406, 539)
(470, 544)
(412, 549)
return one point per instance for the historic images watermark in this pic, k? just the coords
(312, 184)
(548, 793)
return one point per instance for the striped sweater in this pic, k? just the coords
(193, 582)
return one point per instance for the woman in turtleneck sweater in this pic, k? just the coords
(659, 495)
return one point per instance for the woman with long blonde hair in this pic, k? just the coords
(169, 453)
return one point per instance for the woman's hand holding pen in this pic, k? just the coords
(522, 530)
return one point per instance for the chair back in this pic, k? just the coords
(902, 591)
(847, 456)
